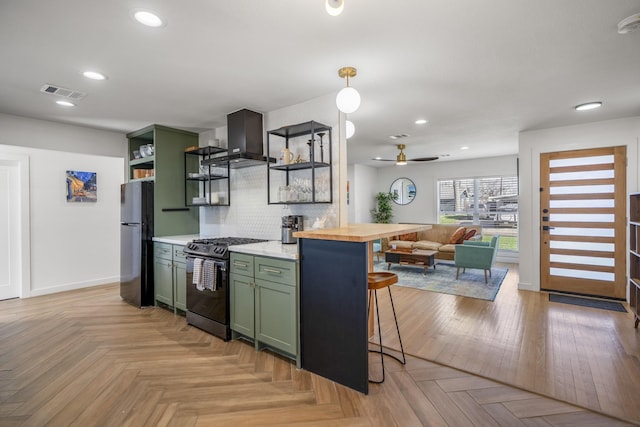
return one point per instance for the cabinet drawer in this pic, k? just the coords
(162, 250)
(178, 254)
(241, 264)
(275, 270)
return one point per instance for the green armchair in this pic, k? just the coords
(475, 254)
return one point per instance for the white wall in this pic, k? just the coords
(34, 133)
(249, 214)
(531, 145)
(423, 209)
(73, 245)
(363, 187)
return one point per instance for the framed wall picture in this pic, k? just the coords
(81, 187)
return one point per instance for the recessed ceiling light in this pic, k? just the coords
(66, 103)
(148, 18)
(588, 106)
(94, 75)
(421, 121)
(464, 148)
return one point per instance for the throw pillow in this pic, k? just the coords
(409, 237)
(469, 235)
(458, 234)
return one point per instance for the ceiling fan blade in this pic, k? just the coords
(424, 159)
(384, 160)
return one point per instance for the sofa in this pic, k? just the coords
(439, 238)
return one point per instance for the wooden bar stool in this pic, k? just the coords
(375, 281)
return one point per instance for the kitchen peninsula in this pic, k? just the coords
(333, 298)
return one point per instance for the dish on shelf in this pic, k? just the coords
(136, 154)
(146, 150)
(195, 175)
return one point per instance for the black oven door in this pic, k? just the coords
(213, 305)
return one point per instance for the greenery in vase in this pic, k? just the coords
(384, 210)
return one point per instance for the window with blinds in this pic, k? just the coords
(488, 201)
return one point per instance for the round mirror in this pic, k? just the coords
(404, 189)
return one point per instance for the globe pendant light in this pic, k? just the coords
(348, 99)
(350, 129)
(334, 7)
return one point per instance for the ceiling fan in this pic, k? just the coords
(401, 159)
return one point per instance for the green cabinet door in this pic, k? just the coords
(163, 280)
(180, 286)
(242, 304)
(275, 310)
(179, 278)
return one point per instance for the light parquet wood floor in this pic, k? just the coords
(584, 356)
(85, 358)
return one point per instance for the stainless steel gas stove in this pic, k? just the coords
(216, 247)
(208, 283)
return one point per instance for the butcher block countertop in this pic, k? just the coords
(360, 232)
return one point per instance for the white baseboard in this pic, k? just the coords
(528, 287)
(71, 286)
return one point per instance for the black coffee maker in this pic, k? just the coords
(291, 224)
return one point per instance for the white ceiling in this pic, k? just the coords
(479, 71)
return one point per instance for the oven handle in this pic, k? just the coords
(222, 266)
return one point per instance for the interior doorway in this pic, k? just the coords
(583, 227)
(14, 225)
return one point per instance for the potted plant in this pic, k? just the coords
(384, 210)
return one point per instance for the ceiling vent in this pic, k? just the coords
(62, 92)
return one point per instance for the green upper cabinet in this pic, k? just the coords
(165, 166)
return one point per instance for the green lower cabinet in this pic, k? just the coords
(170, 275)
(242, 299)
(276, 315)
(180, 286)
(264, 302)
(163, 280)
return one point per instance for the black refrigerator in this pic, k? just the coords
(136, 244)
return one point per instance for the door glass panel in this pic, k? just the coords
(582, 217)
(561, 176)
(585, 260)
(593, 203)
(582, 274)
(575, 231)
(581, 189)
(579, 161)
(582, 246)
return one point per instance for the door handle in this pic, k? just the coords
(547, 228)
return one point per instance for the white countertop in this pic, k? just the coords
(177, 240)
(272, 248)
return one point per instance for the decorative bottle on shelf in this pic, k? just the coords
(321, 134)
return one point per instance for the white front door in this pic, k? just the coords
(10, 260)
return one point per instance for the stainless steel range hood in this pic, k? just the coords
(245, 137)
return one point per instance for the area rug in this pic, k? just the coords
(588, 302)
(442, 279)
